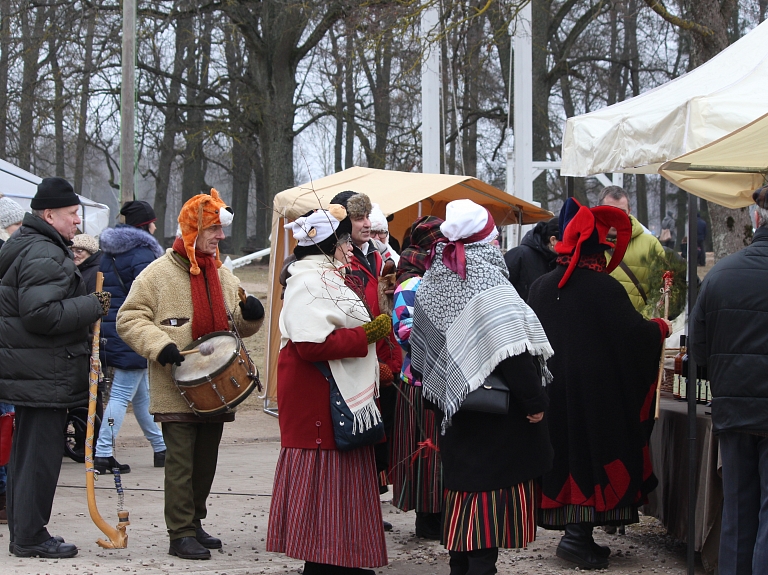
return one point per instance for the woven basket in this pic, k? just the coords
(667, 380)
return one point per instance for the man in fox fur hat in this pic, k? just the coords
(180, 297)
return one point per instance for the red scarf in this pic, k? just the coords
(208, 311)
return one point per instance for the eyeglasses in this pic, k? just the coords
(379, 233)
(80, 251)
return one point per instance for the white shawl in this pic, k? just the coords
(316, 303)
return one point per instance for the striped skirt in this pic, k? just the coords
(417, 483)
(560, 516)
(326, 509)
(482, 520)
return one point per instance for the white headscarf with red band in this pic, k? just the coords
(465, 223)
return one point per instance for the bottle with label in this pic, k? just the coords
(679, 370)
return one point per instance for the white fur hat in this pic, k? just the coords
(317, 226)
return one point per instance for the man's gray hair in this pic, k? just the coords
(763, 217)
(616, 193)
(39, 213)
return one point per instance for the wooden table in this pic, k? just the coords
(669, 454)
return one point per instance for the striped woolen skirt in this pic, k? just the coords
(417, 483)
(559, 517)
(326, 509)
(481, 520)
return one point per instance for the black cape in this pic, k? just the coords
(603, 392)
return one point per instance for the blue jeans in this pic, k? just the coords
(4, 408)
(128, 386)
(744, 534)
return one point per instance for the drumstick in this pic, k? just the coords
(206, 348)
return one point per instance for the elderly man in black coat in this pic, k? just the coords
(729, 337)
(45, 312)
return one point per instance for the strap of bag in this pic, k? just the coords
(633, 278)
(117, 273)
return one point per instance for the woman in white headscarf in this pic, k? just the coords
(325, 502)
(469, 322)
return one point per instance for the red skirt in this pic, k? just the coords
(326, 508)
(416, 471)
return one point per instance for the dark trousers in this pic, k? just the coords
(744, 534)
(479, 562)
(38, 445)
(190, 465)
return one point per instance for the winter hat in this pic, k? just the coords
(584, 231)
(54, 193)
(357, 205)
(550, 228)
(760, 197)
(465, 220)
(86, 242)
(199, 213)
(10, 212)
(378, 219)
(318, 232)
(138, 213)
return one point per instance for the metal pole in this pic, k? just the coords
(690, 388)
(128, 103)
(523, 110)
(430, 94)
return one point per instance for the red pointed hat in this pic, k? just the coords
(584, 231)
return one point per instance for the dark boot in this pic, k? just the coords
(159, 458)
(599, 550)
(458, 562)
(207, 541)
(105, 465)
(187, 548)
(483, 561)
(576, 547)
(428, 525)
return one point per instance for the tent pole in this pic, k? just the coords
(690, 387)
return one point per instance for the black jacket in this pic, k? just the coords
(730, 337)
(530, 260)
(45, 313)
(485, 452)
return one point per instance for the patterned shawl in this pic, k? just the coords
(415, 258)
(462, 329)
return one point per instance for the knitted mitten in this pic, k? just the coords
(104, 298)
(379, 328)
(385, 374)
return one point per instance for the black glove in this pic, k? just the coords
(252, 309)
(170, 354)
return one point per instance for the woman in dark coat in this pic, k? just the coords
(468, 322)
(534, 257)
(601, 396)
(128, 249)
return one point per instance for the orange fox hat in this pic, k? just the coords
(199, 213)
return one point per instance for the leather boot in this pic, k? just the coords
(599, 550)
(576, 547)
(159, 458)
(207, 541)
(428, 525)
(188, 548)
(105, 464)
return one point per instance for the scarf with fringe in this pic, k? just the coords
(317, 302)
(462, 329)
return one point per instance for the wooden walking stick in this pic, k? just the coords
(665, 290)
(118, 538)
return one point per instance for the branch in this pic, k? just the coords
(658, 7)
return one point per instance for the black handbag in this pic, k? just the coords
(491, 397)
(344, 421)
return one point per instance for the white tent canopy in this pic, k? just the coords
(641, 133)
(726, 171)
(21, 186)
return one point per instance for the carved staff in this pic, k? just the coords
(118, 538)
(665, 290)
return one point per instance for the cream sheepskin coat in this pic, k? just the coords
(159, 294)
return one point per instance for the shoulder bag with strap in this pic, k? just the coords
(633, 278)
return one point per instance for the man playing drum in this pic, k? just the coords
(180, 297)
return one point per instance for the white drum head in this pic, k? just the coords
(197, 366)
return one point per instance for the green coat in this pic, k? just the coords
(45, 313)
(642, 249)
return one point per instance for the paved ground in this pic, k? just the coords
(238, 514)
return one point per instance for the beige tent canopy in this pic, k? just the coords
(726, 171)
(406, 195)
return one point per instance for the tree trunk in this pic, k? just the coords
(58, 100)
(471, 100)
(682, 217)
(731, 229)
(183, 43)
(338, 84)
(263, 201)
(241, 183)
(349, 92)
(85, 93)
(5, 47)
(541, 19)
(32, 38)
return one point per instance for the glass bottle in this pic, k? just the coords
(678, 370)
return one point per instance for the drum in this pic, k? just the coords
(216, 383)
